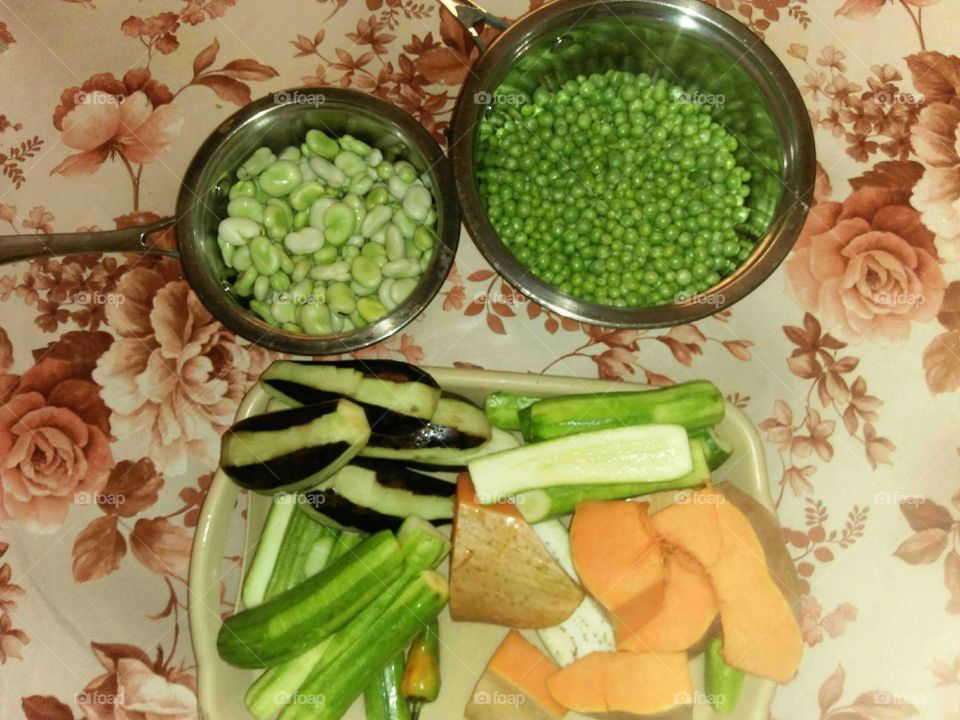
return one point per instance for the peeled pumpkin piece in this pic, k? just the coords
(514, 685)
(500, 571)
(688, 612)
(624, 683)
(619, 560)
(761, 635)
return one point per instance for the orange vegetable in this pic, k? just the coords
(624, 682)
(514, 684)
(689, 609)
(501, 572)
(616, 554)
(761, 635)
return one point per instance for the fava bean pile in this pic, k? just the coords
(616, 190)
(329, 236)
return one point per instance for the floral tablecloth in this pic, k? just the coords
(115, 382)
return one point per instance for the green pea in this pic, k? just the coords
(339, 223)
(359, 147)
(303, 196)
(244, 284)
(301, 220)
(263, 310)
(259, 161)
(246, 207)
(325, 255)
(340, 298)
(261, 287)
(275, 221)
(243, 188)
(321, 144)
(280, 178)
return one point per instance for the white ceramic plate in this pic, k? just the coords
(466, 647)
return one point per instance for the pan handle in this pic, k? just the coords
(470, 15)
(132, 239)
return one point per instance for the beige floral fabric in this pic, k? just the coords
(115, 382)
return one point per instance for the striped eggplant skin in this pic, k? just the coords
(331, 508)
(286, 419)
(391, 370)
(392, 474)
(280, 472)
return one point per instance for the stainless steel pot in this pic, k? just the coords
(276, 120)
(690, 44)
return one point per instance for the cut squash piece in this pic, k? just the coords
(514, 685)
(501, 572)
(688, 612)
(609, 684)
(616, 554)
(761, 635)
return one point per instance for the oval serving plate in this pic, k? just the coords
(466, 647)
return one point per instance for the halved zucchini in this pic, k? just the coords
(293, 449)
(397, 386)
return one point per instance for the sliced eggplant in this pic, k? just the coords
(293, 449)
(379, 495)
(391, 384)
(443, 457)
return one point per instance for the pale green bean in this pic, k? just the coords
(416, 203)
(280, 178)
(321, 144)
(402, 289)
(349, 163)
(338, 272)
(275, 221)
(292, 327)
(263, 310)
(317, 210)
(406, 171)
(358, 147)
(237, 231)
(301, 269)
(291, 152)
(383, 293)
(406, 226)
(328, 172)
(371, 310)
(304, 241)
(398, 187)
(404, 268)
(340, 298)
(244, 284)
(243, 188)
(325, 255)
(280, 281)
(264, 259)
(376, 219)
(241, 258)
(226, 251)
(301, 220)
(284, 312)
(260, 160)
(261, 288)
(314, 318)
(394, 243)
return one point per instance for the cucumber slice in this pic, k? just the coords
(717, 450)
(642, 454)
(723, 683)
(297, 620)
(293, 449)
(503, 409)
(382, 699)
(551, 502)
(303, 553)
(391, 384)
(258, 575)
(694, 405)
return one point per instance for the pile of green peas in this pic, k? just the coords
(329, 236)
(616, 189)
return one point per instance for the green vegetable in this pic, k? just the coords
(694, 405)
(617, 189)
(334, 684)
(421, 677)
(551, 502)
(382, 699)
(637, 454)
(716, 449)
(257, 577)
(503, 409)
(300, 618)
(723, 683)
(304, 552)
(275, 688)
